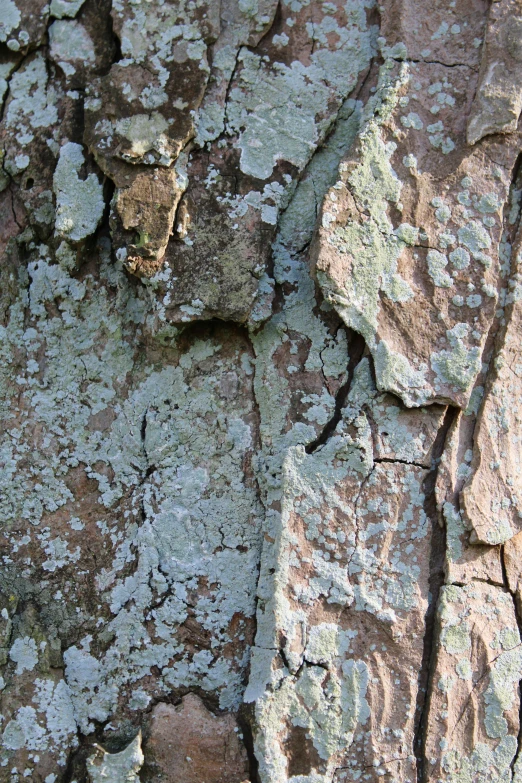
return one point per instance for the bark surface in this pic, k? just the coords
(261, 391)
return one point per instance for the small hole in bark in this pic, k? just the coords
(29, 183)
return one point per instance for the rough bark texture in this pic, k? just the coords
(261, 391)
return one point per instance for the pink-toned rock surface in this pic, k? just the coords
(464, 560)
(408, 248)
(259, 391)
(188, 744)
(491, 498)
(498, 101)
(473, 715)
(348, 597)
(513, 565)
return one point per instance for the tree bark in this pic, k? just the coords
(261, 391)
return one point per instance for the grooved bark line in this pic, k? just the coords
(260, 391)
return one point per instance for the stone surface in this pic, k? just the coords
(259, 391)
(498, 100)
(418, 275)
(464, 561)
(188, 744)
(345, 605)
(473, 717)
(122, 767)
(491, 498)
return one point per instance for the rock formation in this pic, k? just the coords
(260, 391)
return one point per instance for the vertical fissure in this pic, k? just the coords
(357, 347)
(436, 581)
(518, 617)
(245, 721)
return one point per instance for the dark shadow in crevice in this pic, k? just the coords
(246, 720)
(436, 581)
(356, 347)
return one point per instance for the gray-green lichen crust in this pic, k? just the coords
(172, 502)
(479, 652)
(405, 283)
(259, 385)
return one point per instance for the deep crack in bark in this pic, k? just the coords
(436, 580)
(518, 617)
(356, 346)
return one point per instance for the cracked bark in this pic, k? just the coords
(260, 500)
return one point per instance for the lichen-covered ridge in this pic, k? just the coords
(260, 391)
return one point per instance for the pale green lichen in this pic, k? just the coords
(475, 237)
(329, 704)
(396, 373)
(458, 365)
(145, 132)
(437, 263)
(65, 8)
(501, 692)
(372, 247)
(482, 764)
(401, 436)
(171, 548)
(79, 202)
(10, 16)
(32, 103)
(24, 654)
(194, 519)
(271, 129)
(459, 258)
(456, 638)
(470, 616)
(377, 587)
(49, 725)
(70, 42)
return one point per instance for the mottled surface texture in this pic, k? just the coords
(260, 391)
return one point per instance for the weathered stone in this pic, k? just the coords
(37, 112)
(513, 564)
(335, 672)
(405, 435)
(111, 510)
(245, 105)
(448, 33)
(498, 100)
(82, 48)
(147, 208)
(267, 507)
(23, 24)
(188, 744)
(464, 561)
(418, 274)
(122, 767)
(142, 113)
(473, 718)
(492, 499)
